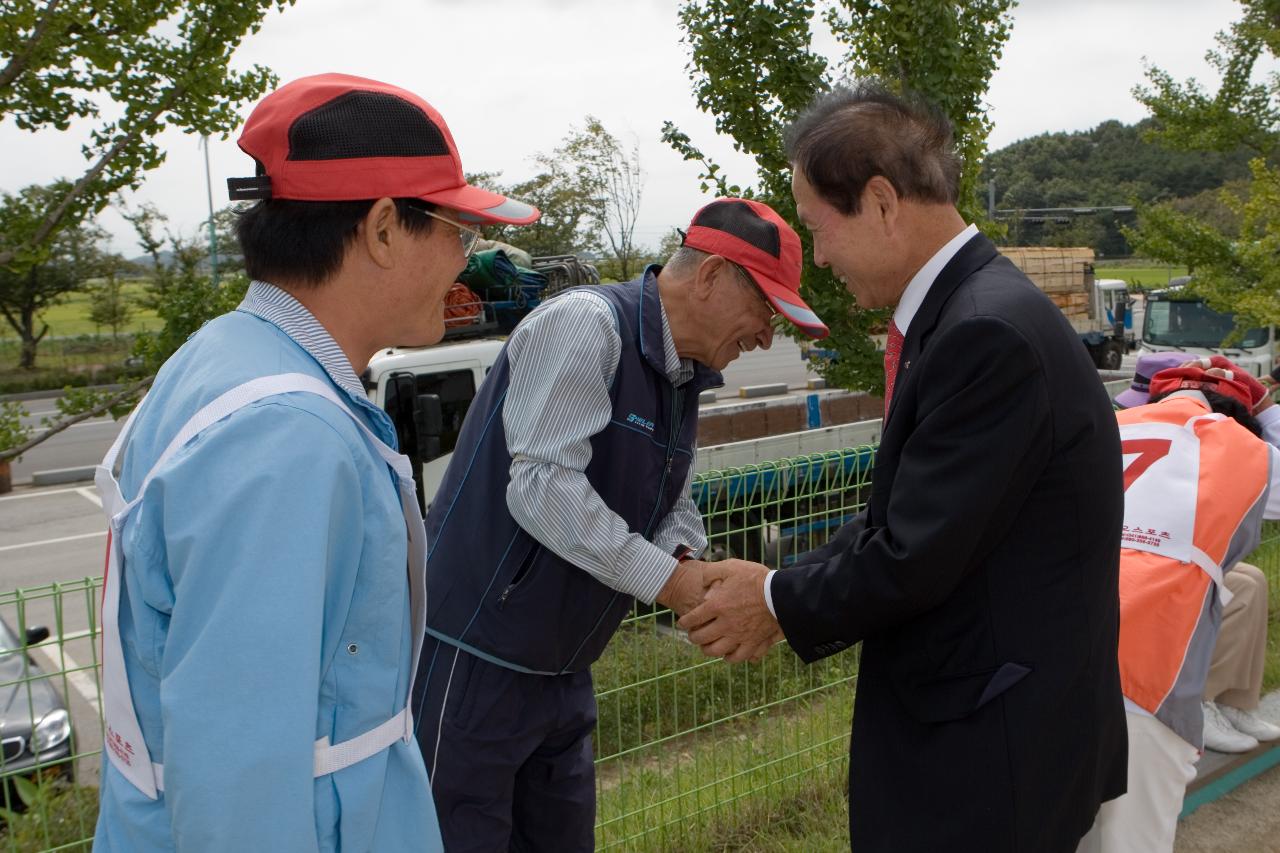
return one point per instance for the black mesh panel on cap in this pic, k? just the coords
(364, 124)
(737, 218)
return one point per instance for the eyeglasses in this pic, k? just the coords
(467, 235)
(744, 278)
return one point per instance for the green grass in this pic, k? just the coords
(651, 685)
(1267, 558)
(1144, 276)
(71, 316)
(765, 780)
(85, 360)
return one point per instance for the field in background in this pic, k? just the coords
(70, 317)
(1143, 276)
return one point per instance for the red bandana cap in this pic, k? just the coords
(1196, 379)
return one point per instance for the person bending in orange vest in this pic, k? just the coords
(1234, 685)
(1199, 480)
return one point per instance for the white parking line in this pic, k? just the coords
(39, 494)
(52, 541)
(82, 680)
(90, 495)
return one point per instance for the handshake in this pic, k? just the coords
(722, 606)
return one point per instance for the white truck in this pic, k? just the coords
(1176, 321)
(427, 392)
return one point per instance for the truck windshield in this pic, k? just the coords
(1193, 324)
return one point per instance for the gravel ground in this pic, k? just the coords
(1245, 821)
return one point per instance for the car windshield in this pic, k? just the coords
(8, 642)
(1194, 324)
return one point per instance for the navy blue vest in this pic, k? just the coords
(494, 590)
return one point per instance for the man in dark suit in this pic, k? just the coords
(982, 577)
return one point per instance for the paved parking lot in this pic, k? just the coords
(51, 540)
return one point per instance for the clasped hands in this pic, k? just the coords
(722, 606)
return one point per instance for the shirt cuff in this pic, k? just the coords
(768, 592)
(647, 570)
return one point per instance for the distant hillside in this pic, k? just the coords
(146, 261)
(1109, 165)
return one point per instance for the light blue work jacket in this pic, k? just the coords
(265, 605)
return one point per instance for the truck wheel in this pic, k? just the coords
(1109, 357)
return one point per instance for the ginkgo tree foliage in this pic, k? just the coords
(119, 72)
(754, 68)
(1233, 264)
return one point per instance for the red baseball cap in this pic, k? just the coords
(335, 137)
(756, 238)
(1196, 379)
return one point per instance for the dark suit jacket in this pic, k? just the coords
(982, 581)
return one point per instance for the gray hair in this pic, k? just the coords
(686, 259)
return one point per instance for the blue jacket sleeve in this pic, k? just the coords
(262, 523)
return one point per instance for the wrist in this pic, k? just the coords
(670, 589)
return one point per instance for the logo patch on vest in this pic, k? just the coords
(633, 418)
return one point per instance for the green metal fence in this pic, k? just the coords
(691, 753)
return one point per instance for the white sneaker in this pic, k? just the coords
(1221, 736)
(1249, 723)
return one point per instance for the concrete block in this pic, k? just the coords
(58, 476)
(748, 391)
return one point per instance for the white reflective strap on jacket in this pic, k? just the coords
(124, 743)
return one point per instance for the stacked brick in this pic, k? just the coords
(1065, 275)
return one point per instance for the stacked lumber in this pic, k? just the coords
(1066, 275)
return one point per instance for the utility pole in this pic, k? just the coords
(213, 234)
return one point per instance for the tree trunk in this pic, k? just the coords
(30, 340)
(6, 476)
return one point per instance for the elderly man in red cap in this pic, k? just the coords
(576, 456)
(264, 600)
(1199, 480)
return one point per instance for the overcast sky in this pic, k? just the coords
(512, 76)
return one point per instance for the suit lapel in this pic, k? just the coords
(973, 256)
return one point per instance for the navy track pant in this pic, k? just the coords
(508, 753)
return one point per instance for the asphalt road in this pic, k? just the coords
(87, 442)
(81, 444)
(51, 540)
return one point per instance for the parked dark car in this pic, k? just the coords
(35, 725)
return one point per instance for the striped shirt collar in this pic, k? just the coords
(679, 370)
(282, 310)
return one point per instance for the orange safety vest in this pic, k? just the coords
(1195, 488)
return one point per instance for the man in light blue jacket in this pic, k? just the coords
(264, 596)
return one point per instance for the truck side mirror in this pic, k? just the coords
(428, 423)
(37, 634)
(405, 390)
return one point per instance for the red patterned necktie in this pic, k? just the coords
(892, 352)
